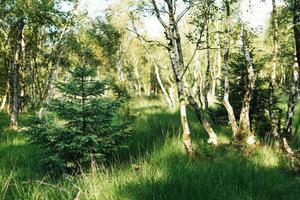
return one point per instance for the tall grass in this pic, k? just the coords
(154, 166)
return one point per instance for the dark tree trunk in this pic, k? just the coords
(296, 20)
(15, 80)
(274, 128)
(206, 84)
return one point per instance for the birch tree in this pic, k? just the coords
(230, 113)
(273, 69)
(179, 68)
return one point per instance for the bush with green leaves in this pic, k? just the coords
(85, 123)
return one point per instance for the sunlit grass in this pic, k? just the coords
(154, 166)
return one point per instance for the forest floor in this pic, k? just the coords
(154, 166)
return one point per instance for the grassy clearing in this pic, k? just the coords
(153, 167)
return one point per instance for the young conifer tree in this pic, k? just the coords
(88, 128)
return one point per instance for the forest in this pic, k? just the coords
(149, 99)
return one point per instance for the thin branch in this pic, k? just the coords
(158, 14)
(183, 13)
(194, 53)
(157, 43)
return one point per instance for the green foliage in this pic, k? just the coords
(259, 105)
(86, 128)
(108, 38)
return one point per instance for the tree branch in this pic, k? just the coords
(157, 43)
(183, 13)
(158, 14)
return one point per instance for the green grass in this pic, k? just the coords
(154, 166)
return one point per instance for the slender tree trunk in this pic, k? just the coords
(197, 91)
(171, 92)
(138, 79)
(206, 84)
(177, 63)
(187, 140)
(213, 139)
(196, 74)
(230, 113)
(4, 100)
(213, 74)
(15, 89)
(15, 80)
(33, 85)
(245, 133)
(292, 100)
(162, 87)
(47, 93)
(273, 71)
(201, 92)
(296, 20)
(219, 55)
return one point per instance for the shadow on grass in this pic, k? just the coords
(214, 174)
(223, 175)
(155, 124)
(19, 160)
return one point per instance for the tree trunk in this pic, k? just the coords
(162, 87)
(186, 136)
(138, 79)
(15, 80)
(4, 100)
(171, 92)
(206, 84)
(47, 93)
(230, 113)
(213, 139)
(197, 91)
(15, 89)
(177, 63)
(213, 74)
(219, 59)
(288, 128)
(296, 20)
(273, 71)
(244, 133)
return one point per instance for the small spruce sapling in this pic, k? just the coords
(87, 128)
